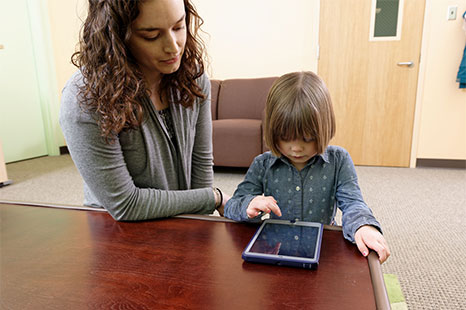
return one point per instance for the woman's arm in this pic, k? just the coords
(202, 158)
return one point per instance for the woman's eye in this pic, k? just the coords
(179, 28)
(152, 38)
(308, 139)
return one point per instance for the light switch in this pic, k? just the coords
(452, 12)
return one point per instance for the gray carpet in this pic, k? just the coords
(421, 210)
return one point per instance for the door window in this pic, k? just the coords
(386, 17)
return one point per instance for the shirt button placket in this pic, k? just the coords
(299, 212)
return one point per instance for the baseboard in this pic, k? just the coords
(5, 183)
(64, 150)
(441, 163)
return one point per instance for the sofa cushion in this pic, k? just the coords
(237, 142)
(243, 98)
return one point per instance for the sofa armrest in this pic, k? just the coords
(214, 90)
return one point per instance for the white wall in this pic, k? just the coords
(442, 105)
(256, 38)
(65, 23)
(244, 38)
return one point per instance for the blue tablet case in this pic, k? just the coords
(286, 243)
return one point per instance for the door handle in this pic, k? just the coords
(406, 63)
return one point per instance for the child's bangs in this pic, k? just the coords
(294, 125)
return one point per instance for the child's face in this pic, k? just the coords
(298, 151)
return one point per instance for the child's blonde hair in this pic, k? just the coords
(298, 106)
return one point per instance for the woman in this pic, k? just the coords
(136, 116)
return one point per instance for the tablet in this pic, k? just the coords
(286, 243)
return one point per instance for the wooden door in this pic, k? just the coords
(372, 87)
(21, 124)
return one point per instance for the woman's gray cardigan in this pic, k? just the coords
(143, 175)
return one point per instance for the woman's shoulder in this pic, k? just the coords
(204, 83)
(70, 106)
(70, 92)
(203, 79)
(74, 82)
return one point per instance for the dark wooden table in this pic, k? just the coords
(70, 259)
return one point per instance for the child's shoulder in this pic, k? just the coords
(265, 159)
(336, 150)
(266, 156)
(337, 155)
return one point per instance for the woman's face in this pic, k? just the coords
(158, 37)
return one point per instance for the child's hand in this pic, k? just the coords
(265, 204)
(369, 237)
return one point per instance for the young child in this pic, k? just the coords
(302, 178)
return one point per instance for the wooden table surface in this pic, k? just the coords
(69, 259)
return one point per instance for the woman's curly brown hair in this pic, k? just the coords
(113, 85)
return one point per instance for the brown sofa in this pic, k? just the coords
(237, 113)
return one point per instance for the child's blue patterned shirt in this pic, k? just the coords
(327, 181)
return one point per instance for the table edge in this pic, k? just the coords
(380, 291)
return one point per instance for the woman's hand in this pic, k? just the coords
(369, 237)
(264, 204)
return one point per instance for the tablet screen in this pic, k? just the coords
(288, 240)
